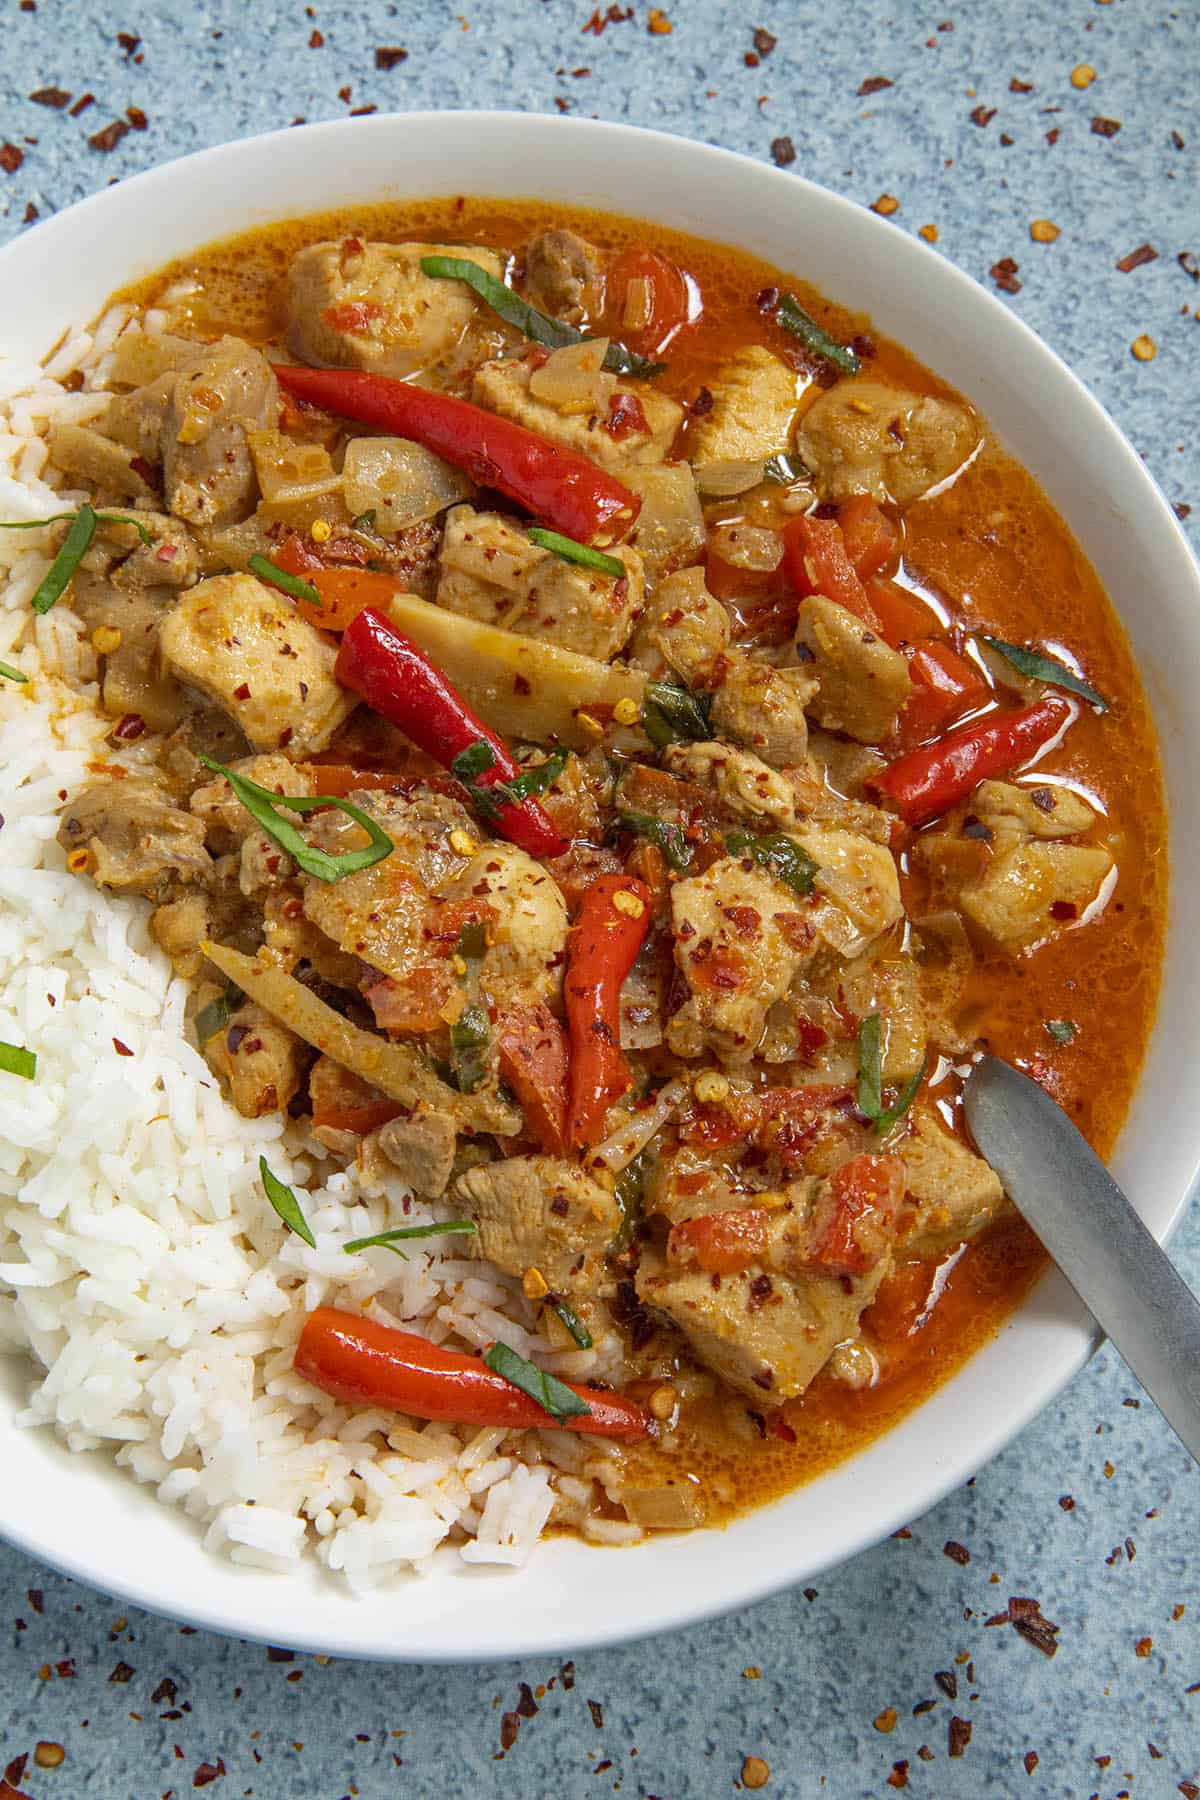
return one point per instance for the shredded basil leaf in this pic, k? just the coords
(572, 552)
(573, 1323)
(668, 836)
(672, 713)
(535, 780)
(870, 1079)
(11, 674)
(14, 1060)
(263, 805)
(473, 761)
(792, 316)
(783, 469)
(285, 1203)
(780, 855)
(555, 1397)
(274, 576)
(1063, 1031)
(388, 1240)
(487, 799)
(1039, 667)
(365, 521)
(216, 1015)
(553, 334)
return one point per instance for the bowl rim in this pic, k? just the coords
(238, 1601)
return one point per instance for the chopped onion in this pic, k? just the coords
(639, 304)
(635, 1132)
(748, 547)
(731, 477)
(574, 379)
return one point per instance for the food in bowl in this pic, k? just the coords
(539, 762)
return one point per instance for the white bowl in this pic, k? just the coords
(78, 1512)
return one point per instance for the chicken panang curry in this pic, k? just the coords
(616, 738)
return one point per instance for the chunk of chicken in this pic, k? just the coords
(138, 420)
(820, 797)
(754, 407)
(137, 841)
(857, 886)
(503, 387)
(955, 1192)
(248, 649)
(525, 957)
(81, 451)
(262, 1061)
(669, 530)
(1030, 889)
(493, 572)
(862, 437)
(179, 928)
(1030, 812)
(170, 560)
(862, 682)
(131, 675)
(208, 473)
(543, 1213)
(739, 939)
(354, 305)
(420, 1149)
(743, 785)
(764, 709)
(562, 274)
(683, 630)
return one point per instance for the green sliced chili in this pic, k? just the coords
(15, 1060)
(672, 713)
(572, 552)
(285, 1203)
(274, 576)
(870, 1079)
(552, 334)
(573, 1323)
(487, 800)
(554, 1396)
(663, 832)
(779, 855)
(1040, 667)
(262, 805)
(11, 674)
(792, 316)
(1063, 1031)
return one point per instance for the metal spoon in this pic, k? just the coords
(1054, 1177)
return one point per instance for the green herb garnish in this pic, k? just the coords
(554, 1396)
(487, 799)
(263, 805)
(669, 837)
(73, 549)
(572, 552)
(285, 1203)
(364, 521)
(1039, 667)
(216, 1015)
(792, 316)
(672, 713)
(783, 469)
(390, 1240)
(535, 780)
(11, 674)
(870, 1079)
(1063, 1031)
(779, 855)
(553, 334)
(573, 1323)
(16, 1061)
(274, 576)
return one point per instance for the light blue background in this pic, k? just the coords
(679, 1714)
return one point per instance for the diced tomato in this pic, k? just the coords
(900, 616)
(296, 556)
(901, 1301)
(448, 919)
(721, 1243)
(415, 1005)
(344, 593)
(532, 1047)
(871, 540)
(815, 558)
(648, 864)
(767, 617)
(855, 1214)
(945, 686)
(660, 289)
(342, 1101)
(792, 1119)
(352, 315)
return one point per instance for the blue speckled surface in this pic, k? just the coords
(1109, 1715)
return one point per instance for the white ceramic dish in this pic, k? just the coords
(79, 1513)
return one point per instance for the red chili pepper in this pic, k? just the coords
(362, 1363)
(396, 678)
(927, 782)
(602, 947)
(567, 491)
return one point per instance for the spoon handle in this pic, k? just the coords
(1054, 1177)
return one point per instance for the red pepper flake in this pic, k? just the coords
(1145, 253)
(783, 152)
(1004, 274)
(120, 1048)
(956, 1552)
(242, 692)
(764, 43)
(65, 1670)
(1181, 509)
(1006, 140)
(110, 136)
(616, 15)
(1031, 1760)
(137, 118)
(959, 1735)
(390, 56)
(1106, 127)
(1143, 1647)
(30, 214)
(1052, 137)
(11, 158)
(510, 1725)
(360, 112)
(703, 403)
(128, 42)
(130, 728)
(947, 1680)
(1017, 86)
(874, 84)
(527, 1706)
(82, 104)
(51, 96)
(36, 1599)
(597, 1712)
(1189, 1790)
(317, 40)
(810, 1594)
(208, 1772)
(123, 1673)
(658, 24)
(983, 115)
(344, 93)
(899, 1775)
(16, 1768)
(167, 1690)
(751, 59)
(1067, 1502)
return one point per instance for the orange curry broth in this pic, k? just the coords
(994, 549)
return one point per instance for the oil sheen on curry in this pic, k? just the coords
(626, 738)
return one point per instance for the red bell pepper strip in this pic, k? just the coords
(361, 1363)
(566, 491)
(602, 946)
(814, 556)
(396, 678)
(901, 616)
(871, 540)
(945, 686)
(532, 1050)
(929, 781)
